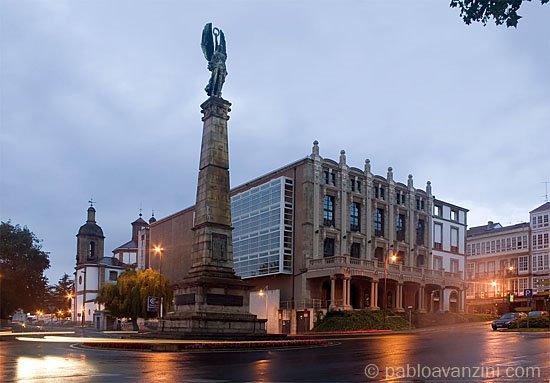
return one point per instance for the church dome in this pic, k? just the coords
(91, 228)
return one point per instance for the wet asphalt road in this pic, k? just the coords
(467, 353)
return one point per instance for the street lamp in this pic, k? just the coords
(158, 251)
(261, 293)
(393, 258)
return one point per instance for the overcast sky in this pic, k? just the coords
(100, 99)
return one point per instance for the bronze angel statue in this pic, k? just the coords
(213, 47)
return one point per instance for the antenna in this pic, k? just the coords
(546, 190)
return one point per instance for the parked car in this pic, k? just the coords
(538, 314)
(506, 320)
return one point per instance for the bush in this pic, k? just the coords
(360, 320)
(539, 322)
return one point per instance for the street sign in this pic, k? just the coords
(152, 304)
(528, 293)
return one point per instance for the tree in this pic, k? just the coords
(128, 297)
(22, 265)
(58, 301)
(503, 11)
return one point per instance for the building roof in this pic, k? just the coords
(92, 229)
(543, 207)
(130, 245)
(140, 221)
(492, 228)
(111, 261)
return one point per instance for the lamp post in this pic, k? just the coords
(158, 251)
(261, 293)
(393, 258)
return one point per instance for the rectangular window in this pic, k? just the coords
(418, 204)
(523, 264)
(534, 223)
(545, 241)
(454, 215)
(534, 241)
(113, 275)
(438, 239)
(539, 220)
(355, 250)
(468, 249)
(400, 227)
(382, 193)
(379, 223)
(438, 262)
(376, 191)
(352, 182)
(328, 248)
(540, 262)
(355, 217)
(525, 244)
(328, 211)
(523, 284)
(508, 244)
(481, 269)
(454, 265)
(333, 178)
(545, 220)
(492, 246)
(514, 243)
(420, 232)
(491, 268)
(454, 239)
(498, 245)
(471, 270)
(438, 211)
(358, 186)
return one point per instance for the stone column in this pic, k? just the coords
(372, 302)
(375, 295)
(399, 298)
(212, 243)
(422, 299)
(332, 291)
(345, 292)
(317, 180)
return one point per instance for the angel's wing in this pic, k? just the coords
(207, 43)
(221, 47)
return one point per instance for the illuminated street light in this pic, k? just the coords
(158, 251)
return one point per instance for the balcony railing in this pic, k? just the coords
(375, 265)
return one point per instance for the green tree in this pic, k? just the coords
(58, 300)
(128, 297)
(22, 265)
(502, 11)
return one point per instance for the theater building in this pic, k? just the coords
(319, 234)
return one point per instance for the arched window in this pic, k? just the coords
(91, 250)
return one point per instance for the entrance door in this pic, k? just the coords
(302, 322)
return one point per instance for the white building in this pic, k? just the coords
(93, 270)
(449, 244)
(540, 249)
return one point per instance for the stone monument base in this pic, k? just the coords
(213, 304)
(214, 324)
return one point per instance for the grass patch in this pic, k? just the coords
(360, 320)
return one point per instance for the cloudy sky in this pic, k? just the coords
(100, 99)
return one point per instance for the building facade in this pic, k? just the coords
(330, 236)
(505, 261)
(93, 270)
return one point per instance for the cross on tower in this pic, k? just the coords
(91, 202)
